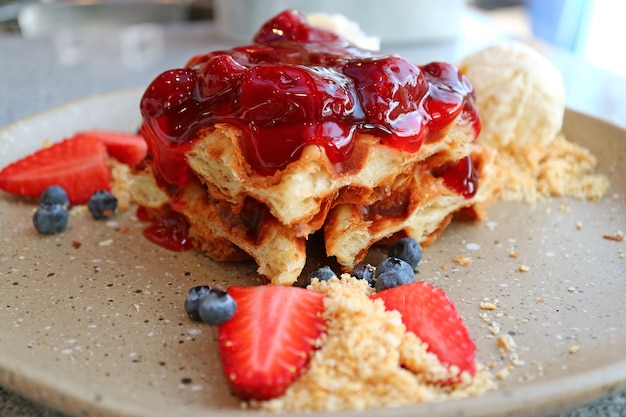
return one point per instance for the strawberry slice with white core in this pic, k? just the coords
(78, 165)
(427, 312)
(270, 338)
(128, 148)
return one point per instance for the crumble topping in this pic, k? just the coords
(367, 359)
(562, 169)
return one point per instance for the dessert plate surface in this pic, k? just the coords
(92, 320)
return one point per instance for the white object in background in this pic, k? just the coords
(519, 93)
(392, 21)
(350, 30)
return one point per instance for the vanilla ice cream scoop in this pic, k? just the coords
(520, 96)
(345, 27)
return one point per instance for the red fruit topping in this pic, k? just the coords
(460, 176)
(427, 312)
(127, 148)
(442, 103)
(144, 215)
(294, 94)
(291, 25)
(218, 77)
(76, 164)
(170, 231)
(391, 89)
(298, 85)
(270, 338)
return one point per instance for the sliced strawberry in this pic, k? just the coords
(127, 148)
(269, 339)
(427, 312)
(76, 164)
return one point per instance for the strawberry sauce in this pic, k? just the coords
(170, 232)
(294, 86)
(459, 176)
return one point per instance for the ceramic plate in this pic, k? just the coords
(92, 320)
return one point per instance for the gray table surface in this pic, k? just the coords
(39, 73)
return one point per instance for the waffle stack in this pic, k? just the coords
(379, 189)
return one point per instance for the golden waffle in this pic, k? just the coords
(233, 211)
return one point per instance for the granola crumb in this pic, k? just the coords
(504, 373)
(487, 305)
(506, 343)
(494, 328)
(462, 260)
(562, 169)
(106, 242)
(513, 254)
(367, 359)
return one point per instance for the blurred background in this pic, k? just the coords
(54, 51)
(586, 28)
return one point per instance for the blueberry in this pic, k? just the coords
(102, 204)
(50, 218)
(395, 264)
(392, 278)
(407, 249)
(323, 274)
(194, 296)
(366, 272)
(217, 307)
(54, 195)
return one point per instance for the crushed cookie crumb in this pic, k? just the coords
(485, 317)
(462, 260)
(494, 328)
(506, 342)
(579, 225)
(515, 360)
(504, 373)
(508, 348)
(513, 254)
(574, 349)
(487, 305)
(367, 360)
(561, 169)
(523, 268)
